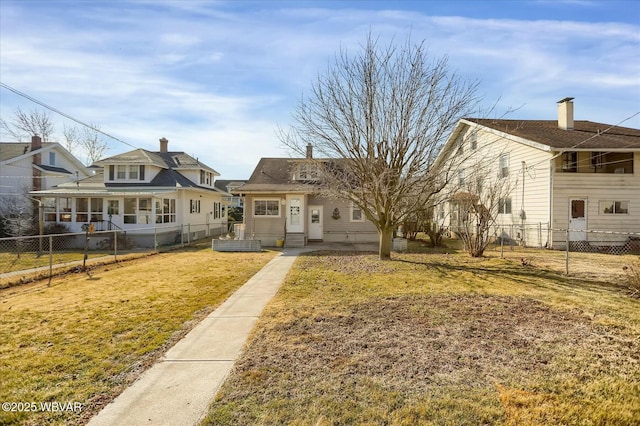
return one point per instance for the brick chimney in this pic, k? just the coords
(309, 151)
(36, 143)
(164, 145)
(565, 114)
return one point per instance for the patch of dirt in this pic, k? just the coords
(410, 343)
(350, 262)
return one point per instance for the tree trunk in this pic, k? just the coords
(385, 243)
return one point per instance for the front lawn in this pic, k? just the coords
(84, 339)
(439, 339)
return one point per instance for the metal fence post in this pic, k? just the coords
(155, 238)
(566, 261)
(115, 245)
(50, 259)
(502, 242)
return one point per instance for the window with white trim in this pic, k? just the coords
(614, 207)
(357, 215)
(194, 206)
(49, 208)
(97, 209)
(503, 165)
(165, 210)
(82, 210)
(266, 207)
(504, 205)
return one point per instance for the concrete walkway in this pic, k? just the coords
(179, 388)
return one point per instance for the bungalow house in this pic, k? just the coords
(565, 175)
(156, 197)
(35, 166)
(282, 203)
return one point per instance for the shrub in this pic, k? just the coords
(633, 277)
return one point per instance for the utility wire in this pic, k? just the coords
(32, 99)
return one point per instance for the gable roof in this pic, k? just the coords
(166, 160)
(273, 175)
(586, 135)
(10, 151)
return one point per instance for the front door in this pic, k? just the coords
(577, 219)
(295, 215)
(315, 222)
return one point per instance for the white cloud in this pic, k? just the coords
(218, 80)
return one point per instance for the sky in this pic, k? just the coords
(218, 78)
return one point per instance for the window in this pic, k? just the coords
(52, 158)
(82, 210)
(64, 207)
(194, 206)
(121, 172)
(461, 177)
(113, 207)
(133, 172)
(570, 162)
(97, 207)
(206, 178)
(130, 210)
(165, 210)
(356, 213)
(307, 171)
(473, 140)
(504, 165)
(504, 206)
(597, 160)
(124, 172)
(144, 211)
(614, 207)
(266, 208)
(49, 207)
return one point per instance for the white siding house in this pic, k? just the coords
(154, 196)
(33, 166)
(564, 175)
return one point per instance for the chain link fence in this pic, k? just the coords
(23, 259)
(591, 254)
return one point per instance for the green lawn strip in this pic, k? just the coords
(85, 339)
(437, 339)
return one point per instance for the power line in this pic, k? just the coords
(563, 150)
(32, 99)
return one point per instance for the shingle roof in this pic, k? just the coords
(9, 150)
(165, 160)
(585, 135)
(53, 169)
(273, 175)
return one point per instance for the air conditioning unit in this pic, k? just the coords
(619, 170)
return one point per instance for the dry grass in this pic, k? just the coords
(437, 339)
(85, 339)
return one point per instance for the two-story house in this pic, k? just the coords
(154, 196)
(35, 166)
(282, 202)
(565, 175)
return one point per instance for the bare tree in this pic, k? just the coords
(24, 125)
(386, 111)
(476, 203)
(71, 138)
(93, 146)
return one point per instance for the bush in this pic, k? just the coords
(633, 278)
